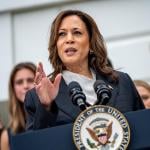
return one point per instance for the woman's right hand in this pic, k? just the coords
(46, 90)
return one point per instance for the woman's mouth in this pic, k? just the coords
(70, 51)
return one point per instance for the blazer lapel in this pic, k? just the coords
(64, 101)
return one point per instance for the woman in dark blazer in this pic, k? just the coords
(77, 53)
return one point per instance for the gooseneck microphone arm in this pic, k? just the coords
(103, 92)
(77, 96)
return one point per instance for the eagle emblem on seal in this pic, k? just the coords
(101, 133)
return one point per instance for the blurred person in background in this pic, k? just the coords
(21, 80)
(144, 91)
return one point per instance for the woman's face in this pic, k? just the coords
(23, 81)
(73, 42)
(145, 95)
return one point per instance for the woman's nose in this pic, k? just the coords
(26, 85)
(70, 38)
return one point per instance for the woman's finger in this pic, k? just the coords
(57, 81)
(38, 78)
(42, 69)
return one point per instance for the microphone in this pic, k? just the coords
(77, 95)
(103, 92)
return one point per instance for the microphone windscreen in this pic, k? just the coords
(74, 85)
(77, 95)
(97, 83)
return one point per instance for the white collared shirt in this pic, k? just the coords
(85, 83)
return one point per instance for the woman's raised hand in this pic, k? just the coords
(46, 90)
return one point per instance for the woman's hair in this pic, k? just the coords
(142, 84)
(16, 109)
(97, 54)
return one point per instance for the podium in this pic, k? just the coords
(54, 138)
(60, 137)
(139, 122)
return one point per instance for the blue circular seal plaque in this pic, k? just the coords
(101, 127)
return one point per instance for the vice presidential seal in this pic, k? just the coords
(101, 128)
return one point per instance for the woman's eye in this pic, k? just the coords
(61, 33)
(19, 82)
(77, 33)
(144, 97)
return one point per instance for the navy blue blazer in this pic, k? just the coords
(125, 98)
